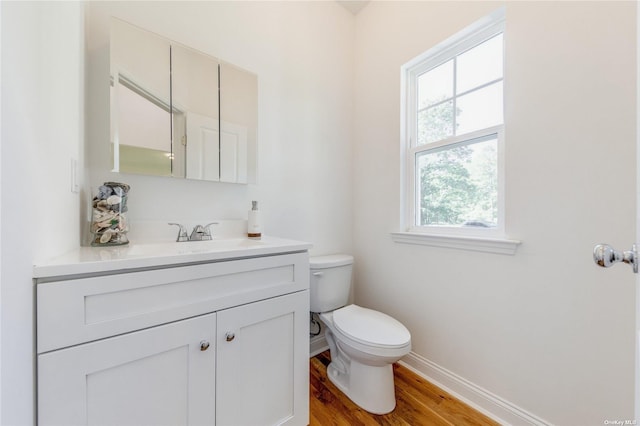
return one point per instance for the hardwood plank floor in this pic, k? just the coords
(418, 403)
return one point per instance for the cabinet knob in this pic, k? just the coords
(230, 336)
(204, 345)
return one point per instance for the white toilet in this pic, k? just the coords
(363, 342)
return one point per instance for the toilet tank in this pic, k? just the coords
(330, 282)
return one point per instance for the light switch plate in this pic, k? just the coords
(75, 187)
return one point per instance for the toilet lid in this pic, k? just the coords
(330, 261)
(370, 327)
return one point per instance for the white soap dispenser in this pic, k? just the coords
(254, 222)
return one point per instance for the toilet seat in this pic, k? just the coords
(371, 328)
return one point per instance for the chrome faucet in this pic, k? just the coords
(199, 233)
(202, 233)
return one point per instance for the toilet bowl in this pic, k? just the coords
(363, 343)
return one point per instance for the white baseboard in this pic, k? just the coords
(499, 409)
(317, 345)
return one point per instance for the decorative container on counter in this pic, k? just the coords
(109, 225)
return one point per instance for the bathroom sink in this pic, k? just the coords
(144, 255)
(218, 245)
(171, 248)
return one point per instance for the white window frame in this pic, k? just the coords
(470, 238)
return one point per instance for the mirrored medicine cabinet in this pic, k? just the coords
(178, 112)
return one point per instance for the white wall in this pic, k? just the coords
(42, 116)
(545, 329)
(305, 110)
(303, 55)
(1, 258)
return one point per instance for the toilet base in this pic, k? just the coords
(370, 387)
(364, 373)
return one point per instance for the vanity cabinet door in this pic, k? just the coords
(263, 362)
(159, 376)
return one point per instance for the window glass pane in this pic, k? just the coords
(479, 109)
(436, 85)
(480, 65)
(435, 123)
(458, 186)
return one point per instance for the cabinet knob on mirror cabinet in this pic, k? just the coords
(230, 336)
(204, 345)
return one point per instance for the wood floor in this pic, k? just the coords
(418, 402)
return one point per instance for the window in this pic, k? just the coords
(454, 133)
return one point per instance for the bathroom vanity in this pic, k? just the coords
(196, 333)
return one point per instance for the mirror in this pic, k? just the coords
(239, 121)
(178, 112)
(140, 101)
(196, 114)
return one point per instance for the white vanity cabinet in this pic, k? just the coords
(212, 343)
(156, 377)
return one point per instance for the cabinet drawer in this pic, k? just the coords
(86, 309)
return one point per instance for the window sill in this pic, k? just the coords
(487, 245)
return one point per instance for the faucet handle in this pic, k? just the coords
(207, 231)
(182, 232)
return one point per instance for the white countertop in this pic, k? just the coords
(90, 260)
